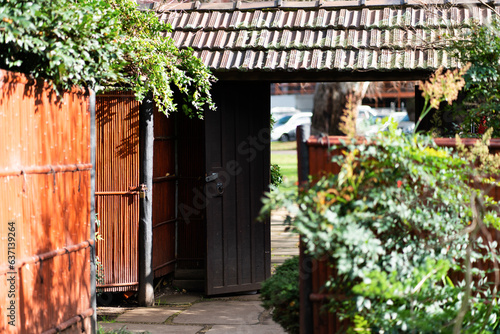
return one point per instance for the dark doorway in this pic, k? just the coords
(237, 159)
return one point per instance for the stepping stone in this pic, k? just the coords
(152, 329)
(246, 329)
(156, 315)
(252, 297)
(177, 299)
(222, 313)
(111, 311)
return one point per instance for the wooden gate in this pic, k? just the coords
(237, 155)
(117, 190)
(45, 208)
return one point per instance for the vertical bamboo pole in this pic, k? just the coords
(146, 142)
(93, 303)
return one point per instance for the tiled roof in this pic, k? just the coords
(310, 38)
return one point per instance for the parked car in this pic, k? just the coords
(285, 127)
(406, 124)
(381, 121)
(365, 120)
(279, 112)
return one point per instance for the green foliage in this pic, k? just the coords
(101, 45)
(280, 293)
(155, 64)
(276, 176)
(398, 226)
(360, 326)
(481, 107)
(68, 42)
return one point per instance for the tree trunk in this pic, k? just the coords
(329, 103)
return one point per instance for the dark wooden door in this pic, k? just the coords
(237, 159)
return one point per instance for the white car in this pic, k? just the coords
(380, 122)
(285, 127)
(365, 120)
(278, 112)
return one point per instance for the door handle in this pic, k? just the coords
(212, 177)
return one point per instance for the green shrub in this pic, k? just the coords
(406, 226)
(280, 293)
(102, 45)
(398, 226)
(480, 110)
(276, 176)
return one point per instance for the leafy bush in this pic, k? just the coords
(101, 45)
(68, 42)
(481, 48)
(480, 108)
(398, 226)
(280, 293)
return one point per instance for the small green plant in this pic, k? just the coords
(276, 176)
(99, 272)
(107, 319)
(439, 88)
(280, 293)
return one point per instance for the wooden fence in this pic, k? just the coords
(45, 208)
(319, 151)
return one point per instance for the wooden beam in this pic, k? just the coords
(146, 142)
(93, 268)
(324, 76)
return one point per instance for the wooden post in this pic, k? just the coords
(146, 140)
(93, 295)
(305, 261)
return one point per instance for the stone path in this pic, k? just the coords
(195, 314)
(284, 244)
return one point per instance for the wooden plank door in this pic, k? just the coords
(237, 159)
(165, 180)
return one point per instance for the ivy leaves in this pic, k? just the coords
(156, 65)
(103, 45)
(66, 42)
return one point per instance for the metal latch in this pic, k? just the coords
(142, 190)
(212, 177)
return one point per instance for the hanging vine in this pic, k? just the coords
(102, 45)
